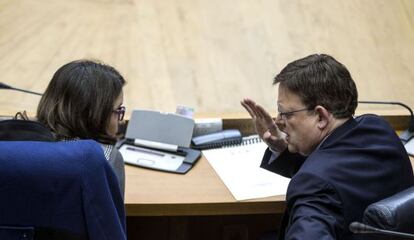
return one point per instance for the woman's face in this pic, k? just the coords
(112, 129)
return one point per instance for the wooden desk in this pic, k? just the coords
(200, 191)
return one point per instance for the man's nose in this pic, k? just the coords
(280, 123)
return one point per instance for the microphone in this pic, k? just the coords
(357, 227)
(5, 86)
(406, 135)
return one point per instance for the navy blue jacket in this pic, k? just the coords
(361, 162)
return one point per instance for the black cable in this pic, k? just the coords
(405, 136)
(5, 86)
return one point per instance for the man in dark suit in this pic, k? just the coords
(338, 164)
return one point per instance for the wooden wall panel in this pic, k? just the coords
(207, 54)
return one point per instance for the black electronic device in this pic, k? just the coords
(159, 141)
(218, 139)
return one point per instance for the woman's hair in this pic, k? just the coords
(78, 102)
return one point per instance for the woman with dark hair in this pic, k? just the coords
(84, 101)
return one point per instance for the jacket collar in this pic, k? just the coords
(339, 131)
(24, 130)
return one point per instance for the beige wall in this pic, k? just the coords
(206, 54)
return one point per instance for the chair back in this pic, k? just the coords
(394, 213)
(58, 190)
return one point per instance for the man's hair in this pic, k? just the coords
(319, 79)
(78, 102)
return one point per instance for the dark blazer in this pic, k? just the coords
(361, 162)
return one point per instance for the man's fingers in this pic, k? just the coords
(250, 106)
(266, 136)
(248, 109)
(249, 101)
(263, 113)
(277, 143)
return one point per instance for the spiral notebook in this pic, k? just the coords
(238, 166)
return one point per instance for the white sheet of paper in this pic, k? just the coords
(409, 146)
(239, 169)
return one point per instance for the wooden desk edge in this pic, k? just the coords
(205, 209)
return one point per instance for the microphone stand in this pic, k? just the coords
(360, 228)
(5, 86)
(406, 135)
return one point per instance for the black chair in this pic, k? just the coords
(392, 217)
(58, 190)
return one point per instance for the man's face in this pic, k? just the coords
(298, 122)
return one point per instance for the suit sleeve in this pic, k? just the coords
(315, 209)
(286, 164)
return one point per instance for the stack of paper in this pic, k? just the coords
(239, 169)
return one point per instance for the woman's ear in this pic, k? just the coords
(323, 117)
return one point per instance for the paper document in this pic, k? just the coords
(239, 169)
(409, 147)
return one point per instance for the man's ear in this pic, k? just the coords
(323, 116)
